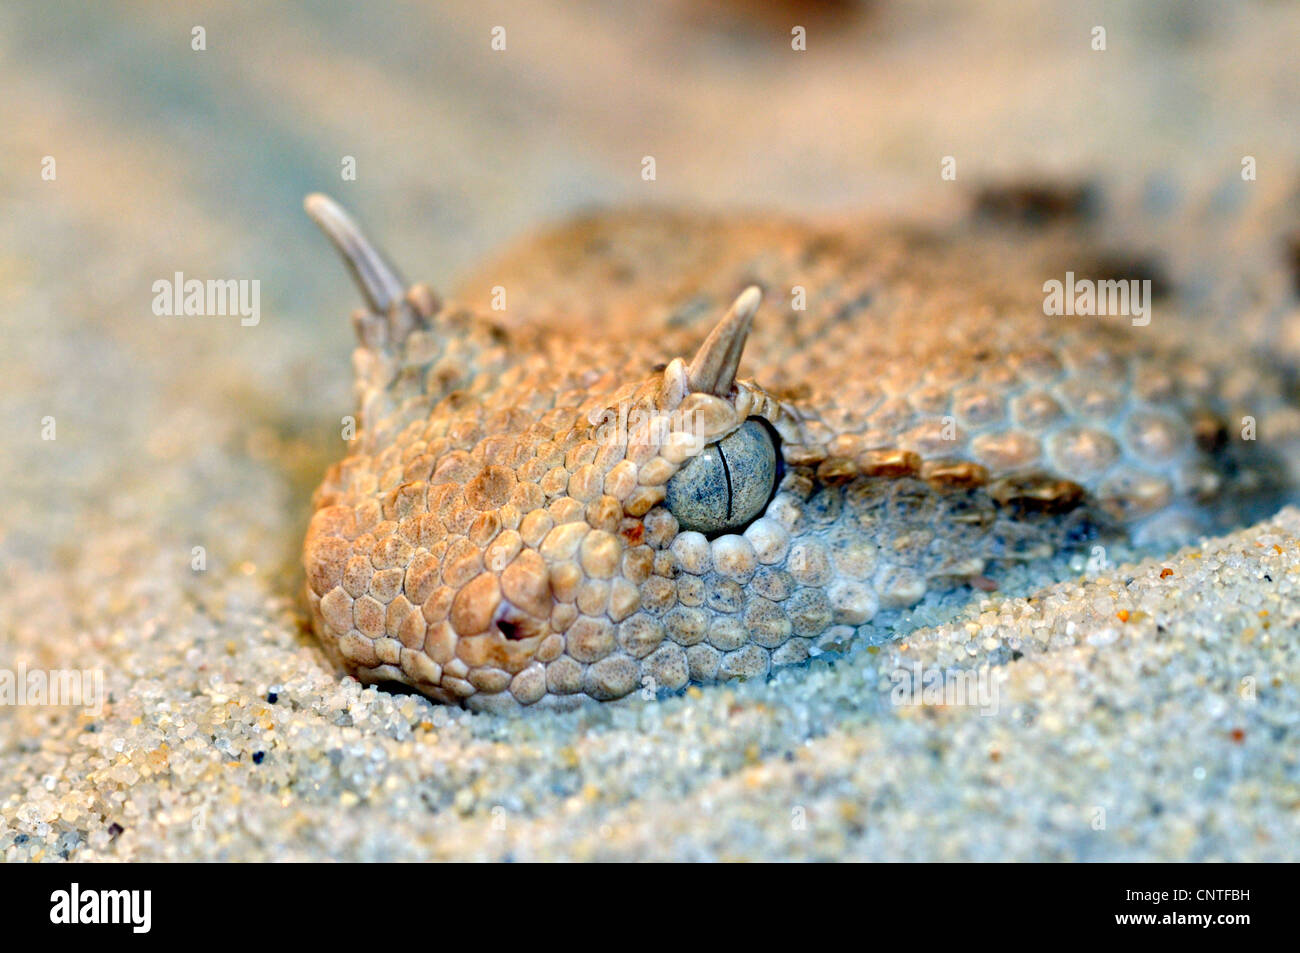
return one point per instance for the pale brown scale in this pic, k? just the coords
(497, 535)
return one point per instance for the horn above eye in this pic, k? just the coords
(713, 369)
(377, 279)
(727, 485)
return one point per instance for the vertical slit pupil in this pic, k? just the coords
(726, 474)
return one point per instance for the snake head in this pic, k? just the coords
(533, 512)
(506, 526)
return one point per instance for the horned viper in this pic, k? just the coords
(570, 490)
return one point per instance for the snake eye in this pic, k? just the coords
(725, 487)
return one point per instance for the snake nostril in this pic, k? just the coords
(514, 624)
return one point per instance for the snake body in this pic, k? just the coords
(498, 535)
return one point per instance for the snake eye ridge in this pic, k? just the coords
(726, 486)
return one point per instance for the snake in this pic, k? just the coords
(646, 448)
